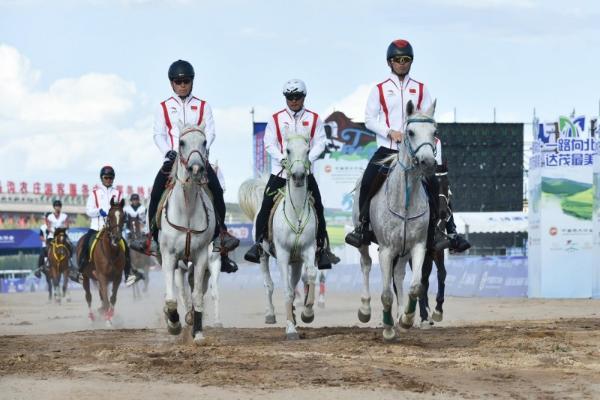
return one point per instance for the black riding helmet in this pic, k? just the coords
(134, 196)
(107, 170)
(56, 203)
(399, 47)
(181, 69)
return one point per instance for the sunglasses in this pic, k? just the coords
(185, 81)
(108, 178)
(402, 59)
(294, 96)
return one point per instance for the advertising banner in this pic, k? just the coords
(560, 213)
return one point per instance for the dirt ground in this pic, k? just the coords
(501, 348)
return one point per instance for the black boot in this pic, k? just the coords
(323, 261)
(227, 264)
(457, 242)
(253, 254)
(359, 236)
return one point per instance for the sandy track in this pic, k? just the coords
(502, 348)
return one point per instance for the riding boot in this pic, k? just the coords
(224, 241)
(253, 254)
(228, 265)
(457, 242)
(131, 274)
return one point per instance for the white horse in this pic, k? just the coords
(294, 232)
(399, 219)
(187, 227)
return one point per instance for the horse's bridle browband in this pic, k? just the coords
(185, 162)
(413, 152)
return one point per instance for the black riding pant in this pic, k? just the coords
(432, 188)
(262, 220)
(372, 180)
(160, 183)
(84, 257)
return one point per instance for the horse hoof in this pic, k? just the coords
(108, 323)
(426, 325)
(270, 319)
(292, 336)
(437, 316)
(407, 321)
(307, 319)
(389, 333)
(364, 318)
(189, 318)
(174, 329)
(199, 338)
(217, 325)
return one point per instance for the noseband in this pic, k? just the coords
(186, 161)
(413, 151)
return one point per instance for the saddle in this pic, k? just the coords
(163, 202)
(95, 240)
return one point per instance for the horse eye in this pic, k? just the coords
(181, 143)
(411, 133)
(288, 151)
(204, 143)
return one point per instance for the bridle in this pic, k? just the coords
(406, 141)
(185, 161)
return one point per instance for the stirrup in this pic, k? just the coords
(225, 241)
(253, 254)
(355, 238)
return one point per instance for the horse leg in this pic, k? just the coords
(399, 274)
(386, 259)
(364, 311)
(268, 283)
(88, 297)
(182, 293)
(283, 260)
(56, 284)
(147, 277)
(49, 284)
(116, 282)
(308, 314)
(321, 300)
(215, 271)
(438, 313)
(103, 287)
(424, 300)
(200, 269)
(170, 310)
(65, 277)
(416, 287)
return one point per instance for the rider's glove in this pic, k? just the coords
(171, 155)
(103, 213)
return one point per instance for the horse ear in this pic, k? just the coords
(431, 110)
(112, 201)
(410, 108)
(122, 203)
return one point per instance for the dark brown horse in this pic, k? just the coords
(59, 253)
(107, 261)
(444, 213)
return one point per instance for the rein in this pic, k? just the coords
(185, 184)
(405, 170)
(302, 219)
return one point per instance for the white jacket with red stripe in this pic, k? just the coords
(172, 112)
(386, 106)
(287, 121)
(98, 199)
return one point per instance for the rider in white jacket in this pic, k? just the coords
(294, 118)
(98, 204)
(185, 108)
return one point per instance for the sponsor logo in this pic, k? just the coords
(553, 231)
(328, 168)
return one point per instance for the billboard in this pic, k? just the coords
(562, 197)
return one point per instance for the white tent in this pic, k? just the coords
(491, 222)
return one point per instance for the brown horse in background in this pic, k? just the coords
(59, 253)
(139, 261)
(107, 261)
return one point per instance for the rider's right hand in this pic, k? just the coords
(103, 213)
(396, 136)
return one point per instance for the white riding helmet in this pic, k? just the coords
(294, 86)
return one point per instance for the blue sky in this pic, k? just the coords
(80, 79)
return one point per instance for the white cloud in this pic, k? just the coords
(353, 105)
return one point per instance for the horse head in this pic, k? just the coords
(60, 235)
(115, 221)
(193, 154)
(420, 129)
(297, 165)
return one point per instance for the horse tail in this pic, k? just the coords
(250, 195)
